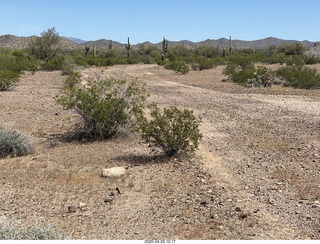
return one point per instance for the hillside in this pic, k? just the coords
(12, 41)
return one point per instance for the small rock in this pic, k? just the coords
(72, 209)
(203, 202)
(243, 216)
(82, 205)
(108, 200)
(113, 172)
(237, 209)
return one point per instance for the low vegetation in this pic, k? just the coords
(8, 79)
(103, 105)
(173, 130)
(299, 76)
(11, 231)
(178, 66)
(14, 144)
(106, 105)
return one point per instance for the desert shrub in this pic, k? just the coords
(10, 231)
(178, 66)
(103, 105)
(292, 49)
(72, 80)
(249, 75)
(241, 60)
(311, 59)
(240, 75)
(14, 144)
(299, 76)
(7, 62)
(8, 79)
(68, 66)
(262, 77)
(54, 64)
(201, 63)
(173, 130)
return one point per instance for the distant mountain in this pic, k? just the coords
(75, 40)
(103, 44)
(12, 41)
(71, 43)
(262, 43)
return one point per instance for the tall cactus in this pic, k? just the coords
(164, 47)
(230, 47)
(86, 50)
(110, 45)
(94, 51)
(128, 47)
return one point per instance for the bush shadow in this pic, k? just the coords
(138, 160)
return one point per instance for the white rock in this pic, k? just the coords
(82, 205)
(113, 172)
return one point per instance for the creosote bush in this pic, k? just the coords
(10, 231)
(178, 67)
(103, 105)
(14, 144)
(299, 76)
(8, 79)
(173, 130)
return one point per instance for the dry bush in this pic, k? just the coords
(14, 144)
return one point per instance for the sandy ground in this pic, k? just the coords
(255, 175)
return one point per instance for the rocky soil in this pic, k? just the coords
(256, 174)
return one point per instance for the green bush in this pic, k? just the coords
(299, 76)
(103, 105)
(10, 231)
(201, 63)
(262, 77)
(54, 64)
(8, 79)
(178, 66)
(73, 79)
(68, 66)
(311, 59)
(173, 130)
(249, 75)
(14, 144)
(292, 49)
(240, 75)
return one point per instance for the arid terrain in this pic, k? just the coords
(256, 174)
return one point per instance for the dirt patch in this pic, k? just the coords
(255, 176)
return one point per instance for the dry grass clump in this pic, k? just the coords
(13, 143)
(9, 230)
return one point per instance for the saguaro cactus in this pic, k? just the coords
(110, 45)
(86, 50)
(94, 51)
(128, 47)
(165, 47)
(230, 47)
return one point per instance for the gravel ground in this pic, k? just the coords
(255, 175)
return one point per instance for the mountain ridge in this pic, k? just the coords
(12, 41)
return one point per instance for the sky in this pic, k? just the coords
(151, 20)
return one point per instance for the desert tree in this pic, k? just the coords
(46, 46)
